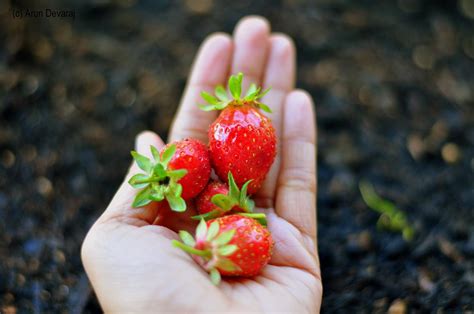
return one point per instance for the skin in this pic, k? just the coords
(127, 253)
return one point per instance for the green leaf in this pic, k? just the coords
(209, 98)
(135, 181)
(155, 153)
(142, 198)
(221, 93)
(167, 155)
(177, 174)
(397, 221)
(391, 218)
(248, 205)
(383, 222)
(252, 90)
(174, 188)
(227, 265)
(227, 250)
(224, 237)
(252, 97)
(408, 233)
(177, 204)
(201, 230)
(178, 190)
(207, 107)
(157, 197)
(159, 172)
(243, 192)
(207, 216)
(215, 276)
(234, 191)
(374, 201)
(260, 95)
(221, 105)
(144, 163)
(245, 202)
(187, 238)
(157, 193)
(235, 85)
(223, 201)
(264, 107)
(213, 230)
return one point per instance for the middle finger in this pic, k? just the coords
(251, 41)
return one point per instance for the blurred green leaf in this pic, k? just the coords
(235, 85)
(221, 93)
(168, 154)
(137, 181)
(187, 238)
(177, 204)
(209, 98)
(155, 153)
(142, 198)
(391, 218)
(143, 163)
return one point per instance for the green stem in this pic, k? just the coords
(191, 250)
(210, 215)
(260, 217)
(254, 215)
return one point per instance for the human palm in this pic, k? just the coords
(128, 253)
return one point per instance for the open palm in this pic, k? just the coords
(128, 253)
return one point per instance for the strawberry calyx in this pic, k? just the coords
(158, 182)
(222, 99)
(210, 247)
(226, 202)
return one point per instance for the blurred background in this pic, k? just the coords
(393, 84)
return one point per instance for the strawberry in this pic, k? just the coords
(232, 245)
(193, 156)
(178, 173)
(203, 202)
(241, 140)
(218, 198)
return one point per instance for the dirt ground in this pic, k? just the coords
(393, 83)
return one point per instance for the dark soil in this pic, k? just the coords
(393, 83)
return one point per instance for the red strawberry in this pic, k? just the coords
(178, 173)
(232, 245)
(218, 198)
(193, 156)
(204, 204)
(241, 140)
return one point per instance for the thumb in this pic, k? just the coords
(120, 206)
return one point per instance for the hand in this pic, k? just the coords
(128, 254)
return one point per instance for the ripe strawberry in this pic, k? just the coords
(241, 140)
(232, 245)
(203, 202)
(218, 198)
(178, 173)
(193, 156)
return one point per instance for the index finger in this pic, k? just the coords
(210, 69)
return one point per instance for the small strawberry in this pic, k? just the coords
(218, 198)
(193, 156)
(232, 245)
(178, 173)
(204, 204)
(241, 140)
